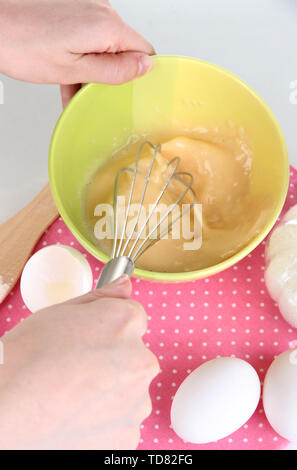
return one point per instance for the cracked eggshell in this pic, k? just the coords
(283, 238)
(54, 274)
(281, 269)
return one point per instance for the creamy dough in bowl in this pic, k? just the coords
(222, 177)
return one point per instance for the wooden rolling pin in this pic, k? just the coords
(19, 235)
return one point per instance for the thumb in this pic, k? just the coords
(113, 69)
(120, 288)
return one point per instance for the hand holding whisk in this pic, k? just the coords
(130, 243)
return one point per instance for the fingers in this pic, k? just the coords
(134, 319)
(131, 40)
(124, 57)
(111, 68)
(67, 92)
(122, 317)
(111, 34)
(121, 288)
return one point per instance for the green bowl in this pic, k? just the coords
(101, 118)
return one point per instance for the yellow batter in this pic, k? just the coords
(221, 169)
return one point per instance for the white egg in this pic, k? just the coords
(280, 394)
(215, 400)
(54, 274)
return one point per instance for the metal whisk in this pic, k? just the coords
(126, 250)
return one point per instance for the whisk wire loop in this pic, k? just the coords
(151, 241)
(155, 152)
(175, 160)
(120, 241)
(120, 263)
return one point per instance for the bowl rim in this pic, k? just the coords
(188, 275)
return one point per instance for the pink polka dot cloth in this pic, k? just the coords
(227, 314)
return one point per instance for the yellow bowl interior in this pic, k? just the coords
(178, 92)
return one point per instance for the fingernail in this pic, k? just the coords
(145, 64)
(120, 280)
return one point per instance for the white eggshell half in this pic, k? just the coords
(54, 274)
(215, 400)
(280, 394)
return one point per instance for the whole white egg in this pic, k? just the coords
(215, 400)
(280, 394)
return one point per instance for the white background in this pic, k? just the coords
(255, 39)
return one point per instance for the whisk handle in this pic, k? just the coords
(115, 268)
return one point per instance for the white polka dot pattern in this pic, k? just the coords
(230, 314)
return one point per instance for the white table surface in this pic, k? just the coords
(255, 39)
